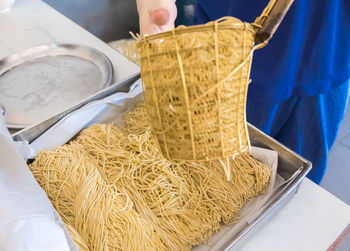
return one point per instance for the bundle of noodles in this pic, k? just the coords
(181, 203)
(101, 216)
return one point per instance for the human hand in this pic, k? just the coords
(156, 15)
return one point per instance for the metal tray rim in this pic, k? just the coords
(273, 203)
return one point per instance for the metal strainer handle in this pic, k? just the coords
(269, 20)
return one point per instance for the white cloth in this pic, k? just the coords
(27, 219)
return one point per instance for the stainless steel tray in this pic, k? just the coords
(41, 81)
(288, 164)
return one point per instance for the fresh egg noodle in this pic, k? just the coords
(114, 190)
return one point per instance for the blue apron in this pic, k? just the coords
(309, 53)
(299, 87)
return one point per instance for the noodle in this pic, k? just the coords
(115, 190)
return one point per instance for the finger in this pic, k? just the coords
(156, 15)
(160, 17)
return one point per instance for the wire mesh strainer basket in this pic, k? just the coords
(195, 83)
